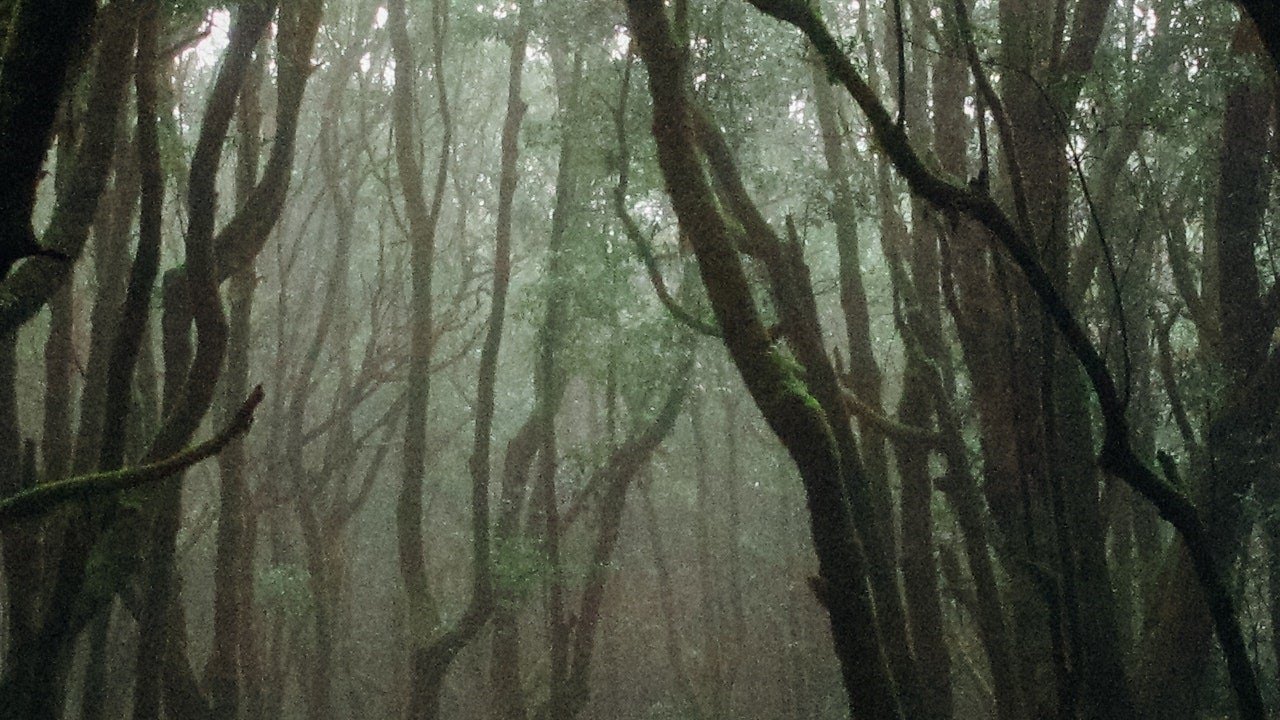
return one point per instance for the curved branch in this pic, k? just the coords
(238, 243)
(42, 499)
(1004, 127)
(782, 397)
(643, 247)
(1165, 366)
(1184, 281)
(645, 250)
(899, 432)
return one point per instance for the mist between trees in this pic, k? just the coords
(702, 359)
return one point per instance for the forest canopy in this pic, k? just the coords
(640, 359)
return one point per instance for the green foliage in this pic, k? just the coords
(486, 22)
(644, 364)
(173, 147)
(578, 24)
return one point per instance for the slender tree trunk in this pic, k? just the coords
(59, 358)
(920, 323)
(536, 436)
(190, 377)
(21, 550)
(232, 566)
(865, 381)
(111, 273)
(1175, 647)
(424, 675)
(93, 703)
(666, 597)
(711, 620)
(34, 676)
(569, 699)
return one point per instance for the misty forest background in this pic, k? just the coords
(539, 359)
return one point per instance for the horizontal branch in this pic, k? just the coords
(897, 431)
(42, 499)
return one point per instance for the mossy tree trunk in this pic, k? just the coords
(806, 414)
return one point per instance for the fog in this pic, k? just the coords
(703, 359)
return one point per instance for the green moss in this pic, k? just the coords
(791, 373)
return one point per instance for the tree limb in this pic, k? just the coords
(1004, 127)
(42, 499)
(897, 431)
(642, 245)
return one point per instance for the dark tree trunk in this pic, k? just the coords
(570, 697)
(232, 615)
(426, 673)
(43, 45)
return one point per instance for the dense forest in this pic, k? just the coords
(639, 359)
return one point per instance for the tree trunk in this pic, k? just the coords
(793, 414)
(43, 45)
(425, 674)
(233, 572)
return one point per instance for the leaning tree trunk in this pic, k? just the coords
(42, 46)
(799, 420)
(442, 651)
(572, 692)
(1176, 645)
(232, 568)
(68, 227)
